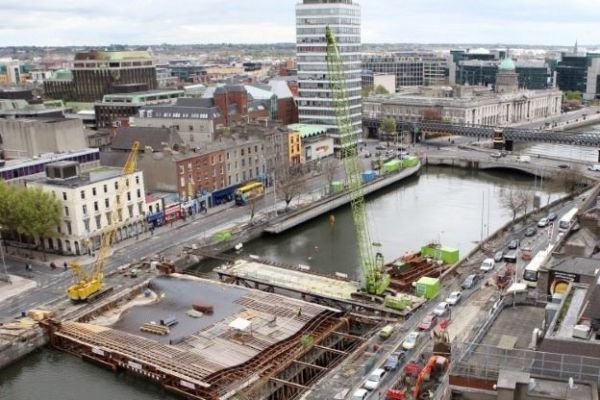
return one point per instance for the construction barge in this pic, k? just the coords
(331, 290)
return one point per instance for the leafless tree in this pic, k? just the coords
(515, 200)
(329, 167)
(252, 203)
(290, 184)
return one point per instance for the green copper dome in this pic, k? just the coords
(507, 64)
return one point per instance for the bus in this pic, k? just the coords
(567, 221)
(530, 276)
(249, 191)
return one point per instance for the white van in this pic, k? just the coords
(487, 265)
(525, 159)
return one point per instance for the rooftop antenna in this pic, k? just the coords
(576, 48)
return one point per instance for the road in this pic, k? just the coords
(51, 284)
(474, 303)
(562, 118)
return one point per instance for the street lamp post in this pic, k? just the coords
(6, 277)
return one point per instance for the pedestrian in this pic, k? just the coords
(52, 265)
(28, 267)
(65, 266)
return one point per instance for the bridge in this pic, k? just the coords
(506, 135)
(477, 159)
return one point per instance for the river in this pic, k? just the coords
(452, 205)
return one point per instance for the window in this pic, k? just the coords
(118, 200)
(109, 218)
(69, 230)
(84, 209)
(242, 152)
(66, 211)
(105, 189)
(128, 196)
(139, 193)
(64, 195)
(120, 213)
(106, 203)
(130, 209)
(116, 185)
(83, 194)
(127, 182)
(98, 222)
(256, 149)
(95, 206)
(93, 191)
(140, 208)
(86, 225)
(137, 179)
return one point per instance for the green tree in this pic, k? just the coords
(9, 217)
(573, 95)
(381, 90)
(39, 212)
(389, 125)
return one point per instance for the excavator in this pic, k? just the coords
(87, 286)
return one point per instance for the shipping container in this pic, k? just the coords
(337, 186)
(391, 167)
(428, 287)
(448, 255)
(368, 176)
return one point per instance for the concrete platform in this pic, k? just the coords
(293, 280)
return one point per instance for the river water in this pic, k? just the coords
(452, 205)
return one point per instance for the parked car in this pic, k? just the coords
(524, 159)
(441, 309)
(394, 360)
(412, 340)
(513, 244)
(564, 166)
(498, 255)
(386, 331)
(374, 379)
(454, 298)
(470, 281)
(381, 147)
(487, 265)
(542, 223)
(526, 253)
(496, 155)
(359, 394)
(552, 217)
(511, 257)
(530, 231)
(428, 322)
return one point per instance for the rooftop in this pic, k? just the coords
(307, 130)
(576, 265)
(113, 55)
(86, 178)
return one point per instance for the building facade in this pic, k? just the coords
(96, 73)
(315, 101)
(117, 106)
(579, 72)
(89, 205)
(482, 107)
(410, 69)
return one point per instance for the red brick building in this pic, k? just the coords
(201, 172)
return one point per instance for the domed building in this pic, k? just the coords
(507, 79)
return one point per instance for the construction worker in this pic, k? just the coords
(299, 312)
(65, 266)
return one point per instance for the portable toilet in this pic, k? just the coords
(368, 176)
(337, 186)
(428, 287)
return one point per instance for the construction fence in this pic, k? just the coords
(485, 362)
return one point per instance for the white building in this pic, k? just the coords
(315, 102)
(88, 201)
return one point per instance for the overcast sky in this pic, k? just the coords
(101, 22)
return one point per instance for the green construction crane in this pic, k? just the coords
(372, 263)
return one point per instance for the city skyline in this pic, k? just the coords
(138, 22)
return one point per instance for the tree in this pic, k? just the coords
(515, 201)
(329, 168)
(573, 95)
(290, 183)
(252, 203)
(30, 212)
(389, 125)
(381, 90)
(40, 214)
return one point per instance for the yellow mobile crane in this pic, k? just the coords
(86, 285)
(376, 281)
